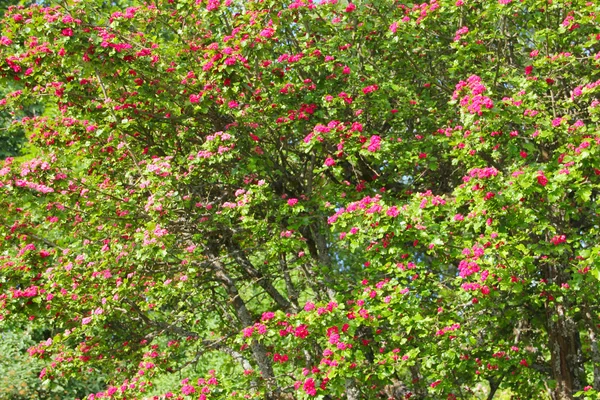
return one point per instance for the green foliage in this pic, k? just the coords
(20, 373)
(273, 199)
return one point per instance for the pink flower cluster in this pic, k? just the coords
(462, 31)
(356, 205)
(34, 186)
(160, 166)
(370, 89)
(474, 100)
(578, 91)
(301, 331)
(481, 173)
(447, 329)
(558, 239)
(31, 291)
(466, 268)
(258, 328)
(542, 179)
(374, 144)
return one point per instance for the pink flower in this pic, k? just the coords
(542, 180)
(292, 202)
(462, 31)
(267, 316)
(267, 32)
(370, 89)
(5, 41)
(489, 195)
(392, 211)
(558, 239)
(309, 387)
(301, 331)
(212, 5)
(86, 320)
(187, 389)
(374, 143)
(329, 162)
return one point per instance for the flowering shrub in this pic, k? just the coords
(267, 199)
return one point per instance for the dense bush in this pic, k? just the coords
(296, 199)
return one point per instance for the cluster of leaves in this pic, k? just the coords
(12, 136)
(19, 373)
(295, 199)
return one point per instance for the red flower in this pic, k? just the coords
(542, 180)
(370, 89)
(309, 387)
(558, 239)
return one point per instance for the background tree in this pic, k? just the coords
(368, 199)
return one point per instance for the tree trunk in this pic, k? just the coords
(564, 343)
(593, 346)
(566, 356)
(352, 391)
(258, 349)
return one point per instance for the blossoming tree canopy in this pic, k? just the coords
(268, 199)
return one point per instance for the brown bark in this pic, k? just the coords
(566, 360)
(352, 391)
(566, 356)
(593, 346)
(250, 271)
(259, 351)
